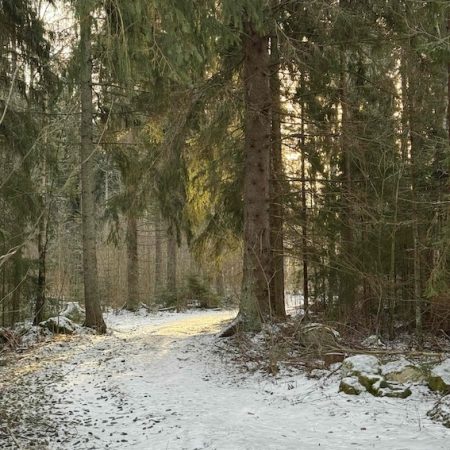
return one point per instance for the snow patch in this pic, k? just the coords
(361, 364)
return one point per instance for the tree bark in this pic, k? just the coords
(276, 187)
(158, 256)
(94, 318)
(304, 208)
(412, 122)
(171, 281)
(132, 264)
(41, 281)
(347, 278)
(448, 85)
(255, 296)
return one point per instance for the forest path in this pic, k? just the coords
(158, 382)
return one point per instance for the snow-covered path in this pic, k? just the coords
(157, 382)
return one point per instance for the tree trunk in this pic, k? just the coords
(411, 111)
(41, 281)
(276, 188)
(448, 85)
(220, 286)
(304, 208)
(257, 273)
(94, 318)
(42, 248)
(158, 256)
(171, 281)
(132, 264)
(347, 278)
(16, 291)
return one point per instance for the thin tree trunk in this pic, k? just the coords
(94, 318)
(16, 291)
(41, 282)
(276, 188)
(255, 296)
(42, 248)
(448, 85)
(220, 287)
(132, 265)
(304, 237)
(4, 292)
(304, 208)
(415, 147)
(158, 256)
(347, 281)
(171, 280)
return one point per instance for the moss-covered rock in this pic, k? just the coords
(60, 325)
(73, 311)
(394, 391)
(351, 386)
(439, 378)
(403, 371)
(318, 336)
(441, 411)
(365, 371)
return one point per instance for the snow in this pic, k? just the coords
(441, 411)
(72, 308)
(163, 382)
(354, 383)
(34, 334)
(396, 366)
(294, 303)
(60, 322)
(373, 341)
(442, 371)
(363, 364)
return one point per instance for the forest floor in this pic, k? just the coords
(165, 382)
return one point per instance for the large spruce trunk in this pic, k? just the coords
(94, 317)
(257, 269)
(276, 187)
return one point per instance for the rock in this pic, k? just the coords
(351, 386)
(441, 411)
(366, 369)
(373, 341)
(60, 324)
(73, 311)
(318, 336)
(34, 334)
(402, 371)
(439, 379)
(366, 364)
(372, 383)
(394, 390)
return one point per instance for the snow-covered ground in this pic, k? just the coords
(162, 382)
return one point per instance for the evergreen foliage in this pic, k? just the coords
(362, 191)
